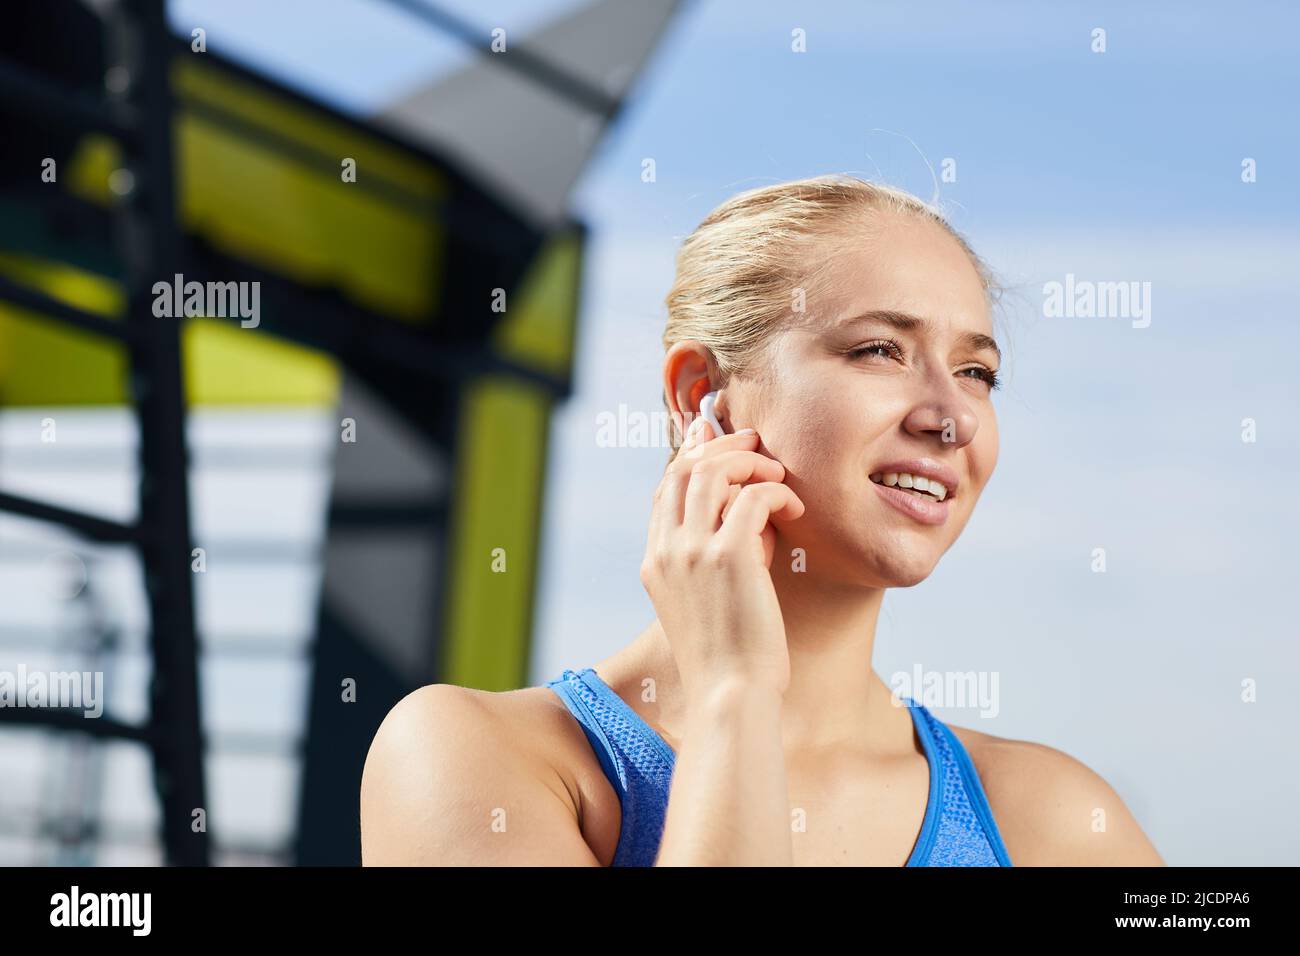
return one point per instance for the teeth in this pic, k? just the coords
(915, 482)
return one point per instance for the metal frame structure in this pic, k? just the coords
(140, 51)
(150, 245)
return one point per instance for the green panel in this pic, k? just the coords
(47, 363)
(43, 362)
(229, 365)
(500, 467)
(248, 198)
(539, 330)
(252, 201)
(501, 463)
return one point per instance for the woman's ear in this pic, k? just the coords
(687, 379)
(698, 391)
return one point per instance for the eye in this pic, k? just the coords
(888, 348)
(986, 375)
(885, 348)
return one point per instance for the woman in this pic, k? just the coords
(846, 330)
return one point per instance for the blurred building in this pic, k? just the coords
(264, 529)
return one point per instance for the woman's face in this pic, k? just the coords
(886, 373)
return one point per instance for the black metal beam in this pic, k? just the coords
(74, 719)
(324, 319)
(26, 298)
(141, 44)
(319, 319)
(88, 526)
(417, 515)
(22, 91)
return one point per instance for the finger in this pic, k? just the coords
(731, 500)
(672, 490)
(746, 438)
(711, 481)
(698, 431)
(754, 507)
(666, 511)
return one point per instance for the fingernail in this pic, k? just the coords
(692, 432)
(744, 431)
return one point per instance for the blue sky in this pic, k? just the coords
(1114, 167)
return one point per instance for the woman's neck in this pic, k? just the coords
(834, 698)
(834, 694)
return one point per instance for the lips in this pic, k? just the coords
(921, 474)
(919, 507)
(920, 488)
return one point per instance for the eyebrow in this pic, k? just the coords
(906, 322)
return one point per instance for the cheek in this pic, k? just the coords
(827, 448)
(826, 464)
(821, 447)
(982, 453)
(802, 425)
(822, 466)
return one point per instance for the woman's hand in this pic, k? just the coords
(708, 559)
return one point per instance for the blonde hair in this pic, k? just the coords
(738, 272)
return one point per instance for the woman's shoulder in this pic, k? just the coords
(527, 729)
(443, 747)
(1051, 808)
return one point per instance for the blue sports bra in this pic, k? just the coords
(958, 828)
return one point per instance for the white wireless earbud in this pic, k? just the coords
(706, 410)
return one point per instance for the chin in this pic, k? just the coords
(894, 567)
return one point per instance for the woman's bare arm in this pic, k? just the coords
(729, 804)
(446, 784)
(1054, 810)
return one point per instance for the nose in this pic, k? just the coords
(941, 412)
